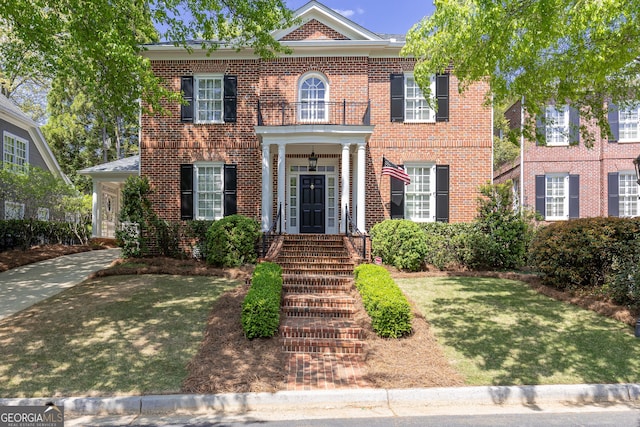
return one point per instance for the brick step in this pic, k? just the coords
(324, 312)
(324, 279)
(313, 253)
(316, 237)
(303, 271)
(314, 260)
(320, 328)
(322, 345)
(320, 263)
(329, 301)
(300, 288)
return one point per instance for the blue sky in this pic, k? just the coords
(377, 15)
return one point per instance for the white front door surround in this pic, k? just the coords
(341, 155)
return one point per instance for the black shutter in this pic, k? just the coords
(574, 196)
(230, 99)
(541, 195)
(186, 110)
(613, 194)
(230, 189)
(186, 192)
(442, 193)
(442, 97)
(397, 98)
(397, 198)
(574, 125)
(612, 115)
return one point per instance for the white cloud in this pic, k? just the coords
(348, 13)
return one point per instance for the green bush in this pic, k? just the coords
(385, 303)
(24, 233)
(261, 307)
(580, 253)
(399, 242)
(196, 231)
(448, 245)
(231, 241)
(623, 282)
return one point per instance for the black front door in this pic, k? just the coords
(312, 204)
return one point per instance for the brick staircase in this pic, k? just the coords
(318, 330)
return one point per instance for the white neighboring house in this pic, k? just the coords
(108, 180)
(22, 144)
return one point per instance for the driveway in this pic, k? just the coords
(24, 286)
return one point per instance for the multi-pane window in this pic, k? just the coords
(557, 125)
(628, 124)
(420, 193)
(13, 210)
(556, 196)
(209, 99)
(416, 107)
(209, 191)
(15, 152)
(313, 99)
(628, 194)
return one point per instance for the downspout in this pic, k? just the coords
(522, 156)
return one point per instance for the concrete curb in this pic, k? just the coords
(395, 399)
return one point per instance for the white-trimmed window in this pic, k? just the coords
(557, 124)
(313, 96)
(416, 107)
(420, 193)
(15, 152)
(43, 214)
(628, 194)
(557, 196)
(628, 124)
(209, 98)
(208, 194)
(13, 210)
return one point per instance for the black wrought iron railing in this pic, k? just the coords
(274, 230)
(345, 113)
(357, 238)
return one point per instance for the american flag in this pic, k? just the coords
(395, 171)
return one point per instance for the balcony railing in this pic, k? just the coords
(345, 113)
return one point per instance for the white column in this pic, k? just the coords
(346, 187)
(282, 150)
(267, 193)
(361, 185)
(96, 222)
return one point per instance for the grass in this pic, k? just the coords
(501, 332)
(110, 336)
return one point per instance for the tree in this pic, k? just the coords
(98, 43)
(580, 52)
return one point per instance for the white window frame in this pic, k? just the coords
(13, 210)
(208, 200)
(416, 107)
(43, 214)
(553, 197)
(628, 201)
(557, 125)
(628, 119)
(214, 104)
(313, 108)
(420, 194)
(10, 157)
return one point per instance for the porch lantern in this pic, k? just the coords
(313, 161)
(636, 164)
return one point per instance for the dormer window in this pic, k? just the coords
(313, 97)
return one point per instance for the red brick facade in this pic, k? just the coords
(464, 142)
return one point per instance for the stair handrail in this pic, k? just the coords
(269, 235)
(353, 233)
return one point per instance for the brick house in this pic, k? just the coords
(564, 179)
(23, 145)
(344, 99)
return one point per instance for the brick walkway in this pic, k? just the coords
(324, 344)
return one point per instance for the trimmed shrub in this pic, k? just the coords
(400, 243)
(261, 307)
(448, 245)
(385, 303)
(580, 253)
(231, 241)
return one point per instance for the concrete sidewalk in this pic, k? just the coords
(24, 286)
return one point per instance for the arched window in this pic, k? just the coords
(313, 98)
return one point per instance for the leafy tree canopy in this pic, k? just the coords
(580, 52)
(97, 43)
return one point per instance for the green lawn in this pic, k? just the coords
(114, 335)
(500, 332)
